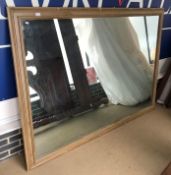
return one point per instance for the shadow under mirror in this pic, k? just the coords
(87, 73)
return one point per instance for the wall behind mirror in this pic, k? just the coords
(81, 73)
(87, 73)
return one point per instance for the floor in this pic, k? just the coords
(71, 130)
(141, 147)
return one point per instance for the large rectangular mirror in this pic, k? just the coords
(81, 73)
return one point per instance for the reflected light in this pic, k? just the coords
(29, 56)
(66, 62)
(32, 69)
(153, 54)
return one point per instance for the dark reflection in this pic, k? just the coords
(58, 99)
(50, 82)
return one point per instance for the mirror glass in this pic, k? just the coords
(86, 73)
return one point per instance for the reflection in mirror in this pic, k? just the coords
(86, 73)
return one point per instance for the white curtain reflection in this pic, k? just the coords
(113, 48)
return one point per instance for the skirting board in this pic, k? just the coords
(9, 113)
(9, 116)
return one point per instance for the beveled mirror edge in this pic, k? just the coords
(15, 14)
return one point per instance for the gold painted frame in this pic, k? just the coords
(15, 14)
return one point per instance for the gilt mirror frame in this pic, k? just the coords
(15, 15)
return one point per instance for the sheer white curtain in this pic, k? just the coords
(113, 48)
